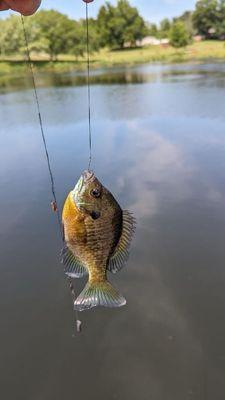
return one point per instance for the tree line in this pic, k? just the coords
(207, 20)
(54, 33)
(119, 26)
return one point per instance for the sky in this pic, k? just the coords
(151, 10)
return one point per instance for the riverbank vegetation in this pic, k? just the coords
(116, 38)
(195, 52)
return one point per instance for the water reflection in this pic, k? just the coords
(112, 76)
(48, 79)
(160, 148)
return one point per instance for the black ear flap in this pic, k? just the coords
(95, 215)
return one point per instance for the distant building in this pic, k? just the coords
(165, 42)
(152, 41)
(148, 41)
(212, 31)
(198, 38)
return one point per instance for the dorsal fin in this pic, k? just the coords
(73, 266)
(121, 253)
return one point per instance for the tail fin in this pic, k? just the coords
(99, 294)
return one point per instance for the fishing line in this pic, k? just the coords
(55, 202)
(89, 88)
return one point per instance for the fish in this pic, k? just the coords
(97, 236)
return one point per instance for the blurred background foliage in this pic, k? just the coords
(51, 33)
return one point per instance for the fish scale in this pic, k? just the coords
(99, 240)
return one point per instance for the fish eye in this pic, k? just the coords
(96, 193)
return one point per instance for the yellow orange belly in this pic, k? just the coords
(73, 221)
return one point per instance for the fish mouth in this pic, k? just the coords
(88, 176)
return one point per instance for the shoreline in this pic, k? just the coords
(202, 52)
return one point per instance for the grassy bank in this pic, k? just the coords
(196, 52)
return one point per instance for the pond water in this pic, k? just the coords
(159, 146)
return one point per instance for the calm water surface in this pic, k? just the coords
(159, 146)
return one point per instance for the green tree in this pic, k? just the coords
(11, 38)
(94, 36)
(37, 41)
(120, 24)
(187, 19)
(164, 29)
(57, 30)
(74, 37)
(178, 35)
(104, 15)
(152, 29)
(220, 30)
(206, 17)
(48, 31)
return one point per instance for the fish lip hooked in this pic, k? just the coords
(88, 176)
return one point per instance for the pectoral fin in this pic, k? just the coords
(73, 266)
(121, 254)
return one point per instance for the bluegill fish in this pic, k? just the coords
(97, 235)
